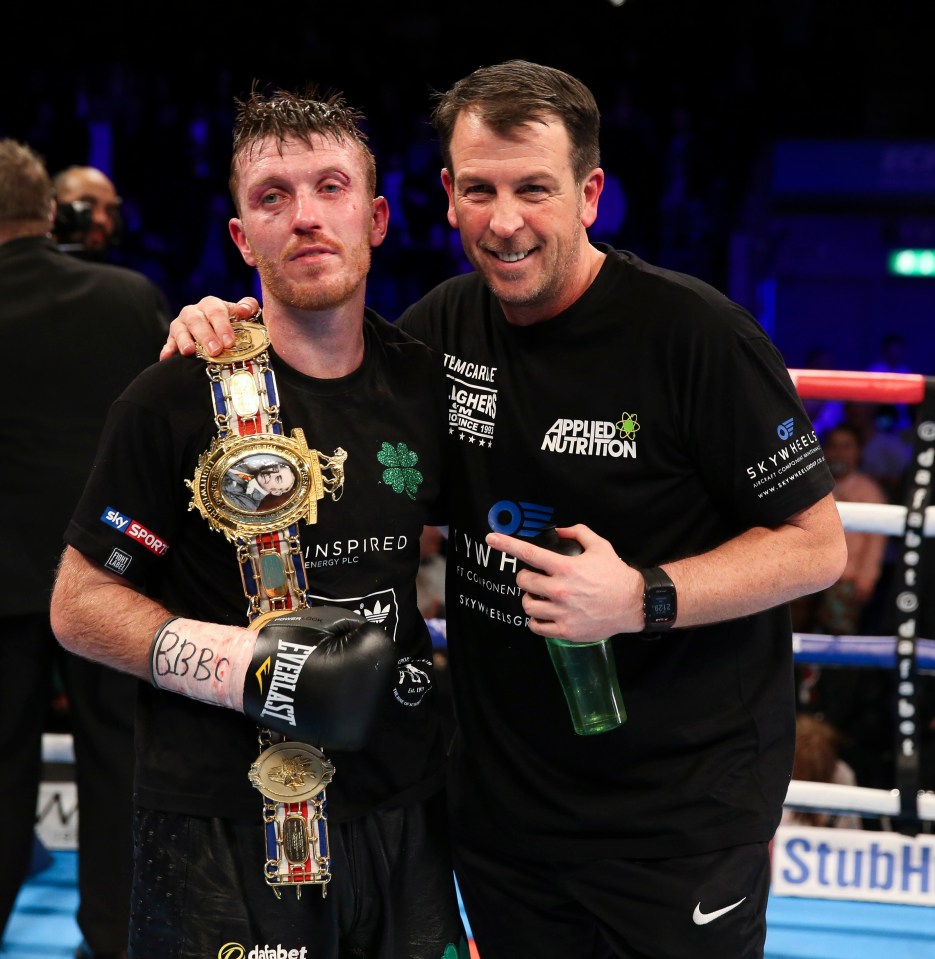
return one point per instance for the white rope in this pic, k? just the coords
(881, 518)
(832, 798)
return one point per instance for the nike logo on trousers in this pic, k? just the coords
(703, 918)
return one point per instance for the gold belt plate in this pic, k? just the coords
(291, 772)
(228, 490)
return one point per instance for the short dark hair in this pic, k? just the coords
(283, 114)
(516, 93)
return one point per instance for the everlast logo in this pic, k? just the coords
(280, 698)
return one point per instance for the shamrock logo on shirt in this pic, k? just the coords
(400, 472)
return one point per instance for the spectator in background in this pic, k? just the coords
(885, 453)
(839, 606)
(817, 760)
(89, 225)
(854, 701)
(837, 609)
(885, 456)
(91, 327)
(87, 220)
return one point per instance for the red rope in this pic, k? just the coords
(846, 385)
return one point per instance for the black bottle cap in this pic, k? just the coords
(549, 539)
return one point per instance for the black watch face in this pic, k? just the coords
(660, 605)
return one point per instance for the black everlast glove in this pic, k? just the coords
(318, 675)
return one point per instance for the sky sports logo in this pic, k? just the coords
(135, 530)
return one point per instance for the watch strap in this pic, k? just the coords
(655, 578)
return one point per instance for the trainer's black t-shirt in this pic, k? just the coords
(362, 554)
(659, 414)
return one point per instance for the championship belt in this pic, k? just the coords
(254, 484)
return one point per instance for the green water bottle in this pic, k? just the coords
(587, 671)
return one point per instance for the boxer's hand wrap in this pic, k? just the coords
(314, 674)
(203, 661)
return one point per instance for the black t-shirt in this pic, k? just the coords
(659, 414)
(362, 554)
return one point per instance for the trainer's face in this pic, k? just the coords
(521, 216)
(307, 221)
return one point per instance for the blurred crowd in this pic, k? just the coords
(851, 711)
(689, 95)
(665, 198)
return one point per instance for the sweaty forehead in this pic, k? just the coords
(272, 150)
(294, 159)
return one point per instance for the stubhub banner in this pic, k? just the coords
(854, 864)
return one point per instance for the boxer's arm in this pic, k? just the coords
(318, 674)
(207, 322)
(102, 617)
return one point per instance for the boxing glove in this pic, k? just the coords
(315, 674)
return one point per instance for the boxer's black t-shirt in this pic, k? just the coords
(363, 554)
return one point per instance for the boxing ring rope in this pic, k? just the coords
(909, 388)
(908, 806)
(859, 800)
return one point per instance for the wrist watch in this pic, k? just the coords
(659, 600)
